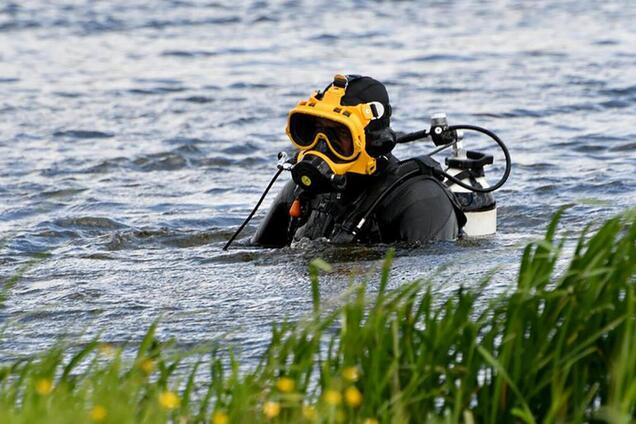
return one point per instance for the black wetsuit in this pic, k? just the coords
(419, 209)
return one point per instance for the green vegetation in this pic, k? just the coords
(555, 349)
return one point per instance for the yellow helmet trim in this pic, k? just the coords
(355, 118)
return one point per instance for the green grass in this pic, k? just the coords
(557, 348)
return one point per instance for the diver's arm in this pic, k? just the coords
(418, 210)
(272, 232)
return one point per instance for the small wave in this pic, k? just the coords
(543, 53)
(77, 313)
(88, 223)
(444, 90)
(161, 162)
(188, 53)
(606, 43)
(525, 216)
(548, 188)
(325, 37)
(572, 108)
(62, 193)
(440, 58)
(589, 148)
(162, 24)
(185, 141)
(249, 85)
(629, 91)
(552, 111)
(133, 238)
(605, 187)
(253, 160)
(108, 165)
(197, 99)
(89, 25)
(101, 256)
(51, 235)
(587, 140)
(624, 147)
(265, 18)
(163, 81)
(18, 25)
(241, 256)
(188, 150)
(218, 161)
(67, 94)
(515, 113)
(217, 190)
(238, 122)
(141, 238)
(156, 90)
(539, 166)
(83, 134)
(616, 104)
(241, 148)
(178, 158)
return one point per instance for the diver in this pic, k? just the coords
(347, 186)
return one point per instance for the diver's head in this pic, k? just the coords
(341, 130)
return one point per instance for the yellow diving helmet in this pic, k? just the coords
(331, 135)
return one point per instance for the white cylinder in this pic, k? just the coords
(480, 208)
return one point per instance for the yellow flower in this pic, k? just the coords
(353, 397)
(98, 413)
(106, 349)
(285, 384)
(169, 400)
(271, 409)
(220, 417)
(147, 365)
(44, 386)
(370, 421)
(309, 412)
(351, 373)
(332, 397)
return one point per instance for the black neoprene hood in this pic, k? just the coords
(365, 90)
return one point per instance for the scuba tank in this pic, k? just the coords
(480, 208)
(464, 175)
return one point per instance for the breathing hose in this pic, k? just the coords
(406, 138)
(258, 204)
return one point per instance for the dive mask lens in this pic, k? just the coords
(302, 129)
(338, 137)
(307, 130)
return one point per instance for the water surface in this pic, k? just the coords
(135, 136)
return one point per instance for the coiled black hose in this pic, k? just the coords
(406, 138)
(504, 149)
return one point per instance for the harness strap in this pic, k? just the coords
(466, 174)
(355, 222)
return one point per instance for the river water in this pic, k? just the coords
(135, 136)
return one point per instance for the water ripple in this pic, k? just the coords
(135, 153)
(82, 134)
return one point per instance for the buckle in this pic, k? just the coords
(373, 110)
(377, 109)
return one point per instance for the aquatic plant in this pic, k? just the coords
(557, 348)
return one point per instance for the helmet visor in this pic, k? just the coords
(304, 130)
